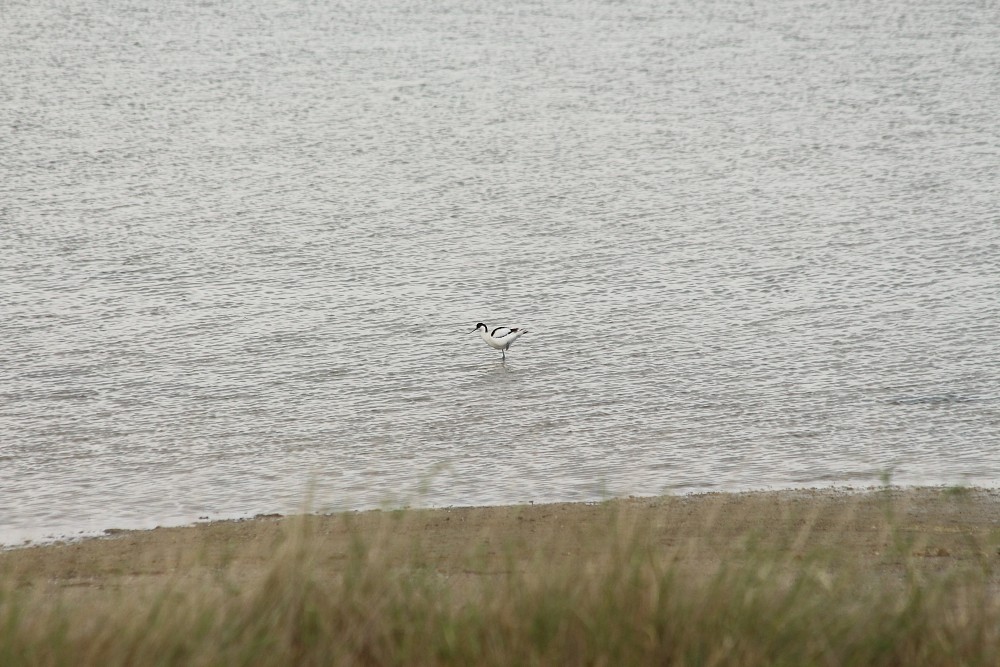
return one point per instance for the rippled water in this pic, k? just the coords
(243, 245)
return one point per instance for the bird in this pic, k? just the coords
(500, 338)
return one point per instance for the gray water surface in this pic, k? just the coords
(242, 246)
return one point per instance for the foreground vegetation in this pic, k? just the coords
(633, 584)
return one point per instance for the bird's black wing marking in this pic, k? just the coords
(503, 332)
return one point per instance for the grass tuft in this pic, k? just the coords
(633, 583)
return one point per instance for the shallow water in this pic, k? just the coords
(242, 249)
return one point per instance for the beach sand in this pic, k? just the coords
(936, 529)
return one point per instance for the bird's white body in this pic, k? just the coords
(502, 341)
(500, 338)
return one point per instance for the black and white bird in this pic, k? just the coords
(500, 338)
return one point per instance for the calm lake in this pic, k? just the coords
(243, 244)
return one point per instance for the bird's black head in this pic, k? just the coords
(479, 326)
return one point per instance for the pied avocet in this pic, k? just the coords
(500, 338)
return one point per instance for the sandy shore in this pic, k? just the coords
(942, 528)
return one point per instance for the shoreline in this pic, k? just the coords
(56, 538)
(887, 576)
(69, 536)
(941, 521)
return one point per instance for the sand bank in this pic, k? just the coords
(941, 528)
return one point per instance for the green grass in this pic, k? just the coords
(612, 593)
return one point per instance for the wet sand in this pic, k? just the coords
(931, 529)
